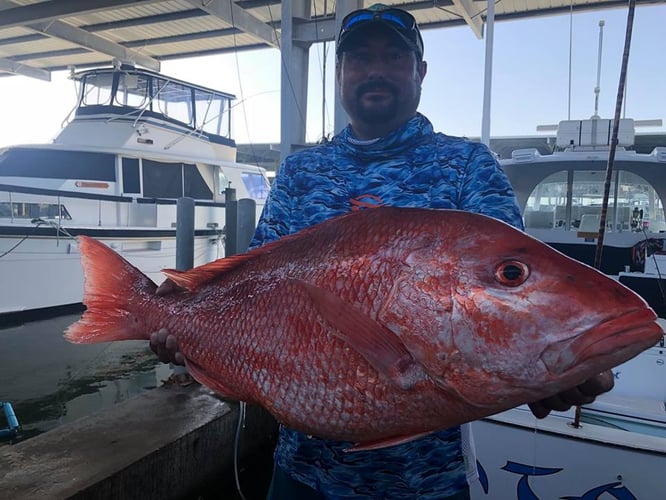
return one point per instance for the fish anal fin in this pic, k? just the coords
(385, 443)
(376, 343)
(203, 378)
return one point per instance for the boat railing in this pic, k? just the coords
(62, 209)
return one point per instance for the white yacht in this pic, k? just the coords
(615, 447)
(137, 142)
(560, 195)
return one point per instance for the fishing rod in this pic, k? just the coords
(614, 134)
(613, 144)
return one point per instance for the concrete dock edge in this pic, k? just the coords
(165, 443)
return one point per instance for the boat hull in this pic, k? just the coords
(619, 450)
(42, 271)
(519, 458)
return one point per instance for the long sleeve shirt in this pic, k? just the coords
(411, 167)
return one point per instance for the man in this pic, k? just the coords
(389, 154)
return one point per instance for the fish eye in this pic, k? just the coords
(512, 273)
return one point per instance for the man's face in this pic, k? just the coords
(380, 82)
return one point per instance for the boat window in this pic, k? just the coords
(256, 184)
(173, 100)
(97, 89)
(57, 164)
(132, 90)
(131, 179)
(211, 112)
(173, 180)
(194, 185)
(571, 199)
(18, 210)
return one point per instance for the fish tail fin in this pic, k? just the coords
(112, 288)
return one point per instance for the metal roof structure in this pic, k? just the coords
(41, 36)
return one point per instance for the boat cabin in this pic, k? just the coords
(564, 191)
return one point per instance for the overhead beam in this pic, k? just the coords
(19, 68)
(44, 11)
(315, 31)
(78, 36)
(471, 16)
(238, 17)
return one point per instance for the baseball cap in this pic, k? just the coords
(398, 21)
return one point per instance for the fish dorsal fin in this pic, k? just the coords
(376, 343)
(194, 278)
(200, 275)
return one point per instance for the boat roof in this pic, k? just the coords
(39, 37)
(176, 93)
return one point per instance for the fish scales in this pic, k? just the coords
(380, 325)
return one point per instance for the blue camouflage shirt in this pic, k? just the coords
(411, 167)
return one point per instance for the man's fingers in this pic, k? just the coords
(178, 358)
(168, 287)
(171, 343)
(165, 346)
(583, 394)
(595, 386)
(539, 410)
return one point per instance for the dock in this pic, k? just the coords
(167, 443)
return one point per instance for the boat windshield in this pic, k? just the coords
(572, 200)
(199, 108)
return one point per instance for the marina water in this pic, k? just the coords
(50, 381)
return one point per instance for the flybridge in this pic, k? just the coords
(141, 93)
(594, 133)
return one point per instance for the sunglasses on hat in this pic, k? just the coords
(398, 17)
(400, 21)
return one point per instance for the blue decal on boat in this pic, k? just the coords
(614, 489)
(529, 470)
(523, 491)
(483, 477)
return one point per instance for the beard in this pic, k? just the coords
(381, 110)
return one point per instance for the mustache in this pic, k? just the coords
(376, 86)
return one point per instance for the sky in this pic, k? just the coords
(530, 84)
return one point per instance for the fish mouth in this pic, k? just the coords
(608, 344)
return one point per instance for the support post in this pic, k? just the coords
(184, 234)
(294, 78)
(247, 223)
(231, 222)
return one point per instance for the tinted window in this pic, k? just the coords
(195, 186)
(162, 180)
(173, 180)
(131, 181)
(55, 164)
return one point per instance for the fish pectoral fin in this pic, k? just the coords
(203, 378)
(376, 343)
(385, 443)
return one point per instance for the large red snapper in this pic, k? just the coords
(380, 325)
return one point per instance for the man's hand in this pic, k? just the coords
(583, 394)
(162, 342)
(165, 346)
